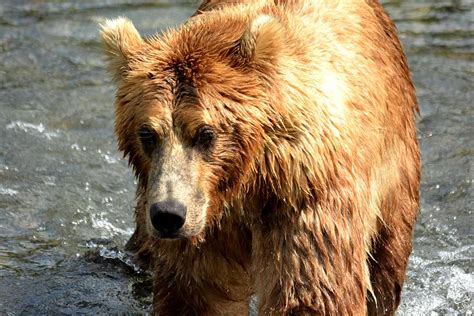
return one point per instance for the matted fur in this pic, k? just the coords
(311, 189)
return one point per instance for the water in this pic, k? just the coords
(66, 195)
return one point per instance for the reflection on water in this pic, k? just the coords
(66, 195)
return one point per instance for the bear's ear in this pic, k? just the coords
(262, 39)
(121, 41)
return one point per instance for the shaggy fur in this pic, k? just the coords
(309, 193)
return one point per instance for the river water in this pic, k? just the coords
(66, 194)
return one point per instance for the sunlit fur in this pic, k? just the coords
(310, 192)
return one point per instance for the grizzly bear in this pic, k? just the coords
(275, 149)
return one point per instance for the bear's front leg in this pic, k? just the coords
(198, 281)
(174, 295)
(307, 264)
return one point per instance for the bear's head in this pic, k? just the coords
(193, 115)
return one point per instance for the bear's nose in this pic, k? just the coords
(167, 217)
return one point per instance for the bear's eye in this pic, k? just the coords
(148, 139)
(204, 138)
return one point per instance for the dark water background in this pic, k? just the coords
(66, 195)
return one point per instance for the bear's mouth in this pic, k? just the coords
(170, 235)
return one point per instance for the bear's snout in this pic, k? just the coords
(167, 217)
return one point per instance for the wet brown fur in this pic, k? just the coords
(313, 182)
